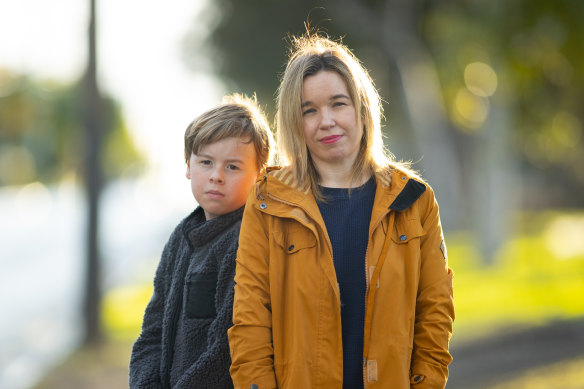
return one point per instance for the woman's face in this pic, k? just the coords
(329, 120)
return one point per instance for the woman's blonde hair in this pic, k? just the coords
(309, 55)
(237, 116)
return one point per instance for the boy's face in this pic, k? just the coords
(221, 175)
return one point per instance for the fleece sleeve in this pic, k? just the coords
(146, 353)
(250, 338)
(434, 305)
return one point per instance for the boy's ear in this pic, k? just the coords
(188, 171)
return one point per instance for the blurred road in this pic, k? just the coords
(42, 234)
(482, 363)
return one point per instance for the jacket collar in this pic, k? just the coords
(395, 187)
(199, 231)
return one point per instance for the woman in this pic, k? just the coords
(342, 278)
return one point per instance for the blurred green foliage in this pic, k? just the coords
(517, 67)
(42, 133)
(535, 48)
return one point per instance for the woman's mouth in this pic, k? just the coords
(327, 140)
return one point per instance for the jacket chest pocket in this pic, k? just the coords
(294, 241)
(407, 232)
(200, 295)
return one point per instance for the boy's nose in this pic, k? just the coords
(216, 177)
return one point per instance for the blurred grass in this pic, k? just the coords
(123, 310)
(536, 277)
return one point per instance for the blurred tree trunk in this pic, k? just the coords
(390, 26)
(494, 190)
(93, 183)
(475, 191)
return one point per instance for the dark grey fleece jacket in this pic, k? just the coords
(183, 343)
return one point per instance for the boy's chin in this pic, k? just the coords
(213, 212)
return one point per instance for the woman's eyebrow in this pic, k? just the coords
(333, 97)
(339, 96)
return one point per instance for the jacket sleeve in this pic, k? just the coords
(146, 352)
(210, 370)
(434, 305)
(250, 338)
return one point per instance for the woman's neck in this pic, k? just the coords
(340, 176)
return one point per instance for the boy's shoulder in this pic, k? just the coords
(178, 233)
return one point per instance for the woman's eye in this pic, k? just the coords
(232, 167)
(308, 111)
(339, 104)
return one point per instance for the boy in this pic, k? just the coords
(183, 343)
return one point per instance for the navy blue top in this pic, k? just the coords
(347, 218)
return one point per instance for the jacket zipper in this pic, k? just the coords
(368, 285)
(366, 290)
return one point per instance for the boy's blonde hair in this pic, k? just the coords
(237, 116)
(309, 55)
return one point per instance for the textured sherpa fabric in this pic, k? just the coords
(183, 343)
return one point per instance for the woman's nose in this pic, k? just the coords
(327, 119)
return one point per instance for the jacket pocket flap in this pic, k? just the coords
(294, 241)
(406, 231)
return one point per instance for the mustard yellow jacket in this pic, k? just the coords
(287, 316)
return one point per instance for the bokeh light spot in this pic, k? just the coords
(566, 129)
(469, 110)
(566, 229)
(480, 79)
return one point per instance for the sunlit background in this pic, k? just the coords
(485, 97)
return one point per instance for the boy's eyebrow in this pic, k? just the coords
(333, 97)
(203, 155)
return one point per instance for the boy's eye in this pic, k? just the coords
(205, 162)
(232, 167)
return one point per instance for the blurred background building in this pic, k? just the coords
(485, 97)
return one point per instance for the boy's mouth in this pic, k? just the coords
(214, 194)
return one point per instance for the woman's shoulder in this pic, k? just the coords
(395, 171)
(406, 185)
(279, 179)
(284, 174)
